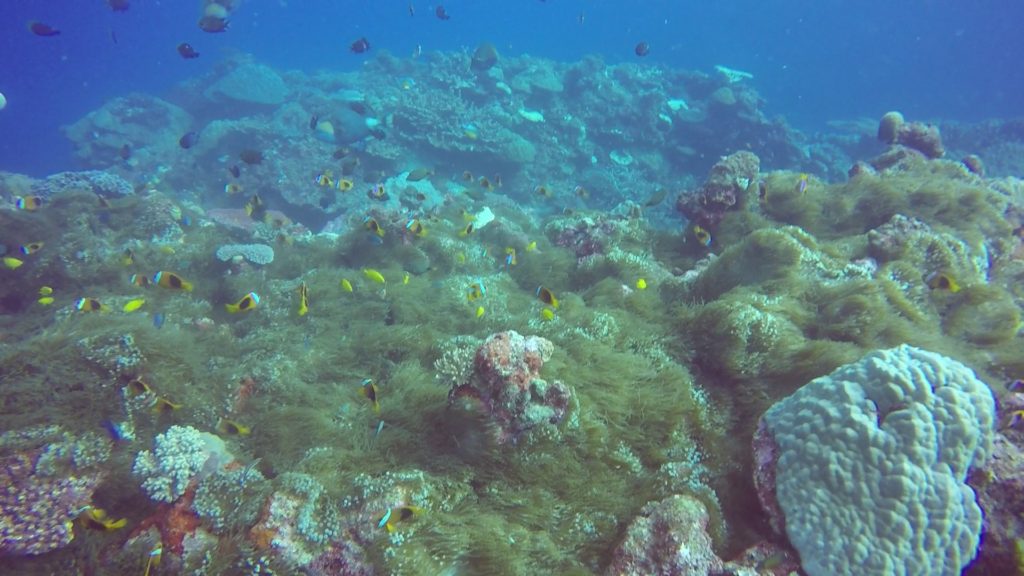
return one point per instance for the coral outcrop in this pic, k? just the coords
(506, 382)
(865, 470)
(669, 537)
(724, 187)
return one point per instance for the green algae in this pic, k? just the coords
(665, 378)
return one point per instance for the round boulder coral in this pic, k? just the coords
(889, 127)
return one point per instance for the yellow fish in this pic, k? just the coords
(167, 249)
(405, 278)
(394, 516)
(346, 285)
(372, 225)
(127, 257)
(97, 519)
(942, 281)
(89, 305)
(477, 290)
(345, 185)
(702, 235)
(467, 230)
(247, 303)
(134, 305)
(31, 248)
(12, 262)
(531, 246)
(303, 299)
(172, 281)
(232, 428)
(233, 188)
(155, 555)
(374, 275)
(510, 257)
(137, 387)
(29, 203)
(163, 406)
(479, 311)
(547, 314)
(416, 228)
(547, 296)
(45, 291)
(368, 389)
(45, 300)
(641, 284)
(324, 179)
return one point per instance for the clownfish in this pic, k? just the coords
(89, 305)
(416, 228)
(547, 296)
(163, 406)
(477, 290)
(171, 281)
(29, 203)
(942, 281)
(245, 304)
(31, 248)
(373, 226)
(97, 519)
(368, 389)
(394, 516)
(232, 428)
(702, 235)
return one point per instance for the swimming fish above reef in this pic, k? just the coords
(163, 406)
(419, 174)
(119, 5)
(255, 208)
(547, 296)
(232, 428)
(394, 516)
(702, 235)
(171, 281)
(133, 305)
(28, 203)
(248, 302)
(477, 290)
(188, 140)
(360, 46)
(642, 49)
(346, 285)
(30, 248)
(187, 51)
(137, 387)
(89, 305)
(97, 519)
(40, 29)
(374, 275)
(213, 24)
(303, 299)
(372, 225)
(368, 389)
(416, 228)
(441, 13)
(942, 281)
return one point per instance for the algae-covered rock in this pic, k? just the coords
(139, 121)
(984, 315)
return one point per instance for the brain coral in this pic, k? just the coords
(870, 465)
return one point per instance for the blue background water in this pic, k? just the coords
(813, 61)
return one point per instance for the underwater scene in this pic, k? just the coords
(555, 287)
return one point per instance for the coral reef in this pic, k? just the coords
(47, 477)
(260, 254)
(900, 430)
(179, 456)
(506, 381)
(98, 182)
(722, 190)
(667, 538)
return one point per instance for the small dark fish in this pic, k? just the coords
(187, 51)
(212, 24)
(581, 18)
(360, 46)
(656, 198)
(441, 13)
(40, 29)
(251, 156)
(358, 108)
(119, 5)
(313, 121)
(113, 36)
(642, 49)
(126, 152)
(158, 320)
(412, 9)
(188, 140)
(235, 170)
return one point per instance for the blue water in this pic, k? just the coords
(812, 61)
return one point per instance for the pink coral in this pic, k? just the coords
(506, 382)
(726, 183)
(36, 509)
(668, 538)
